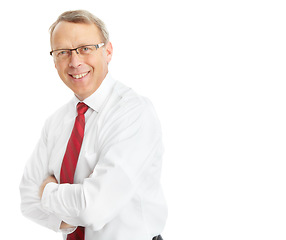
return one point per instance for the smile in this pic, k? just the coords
(78, 76)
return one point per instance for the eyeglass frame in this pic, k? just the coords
(97, 46)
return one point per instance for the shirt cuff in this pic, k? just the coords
(54, 221)
(49, 188)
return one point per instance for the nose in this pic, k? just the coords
(75, 59)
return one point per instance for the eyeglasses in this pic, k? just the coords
(62, 54)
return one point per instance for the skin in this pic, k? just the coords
(68, 35)
(71, 35)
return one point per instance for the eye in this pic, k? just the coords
(85, 49)
(62, 53)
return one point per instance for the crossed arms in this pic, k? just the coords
(125, 158)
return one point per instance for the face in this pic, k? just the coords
(82, 74)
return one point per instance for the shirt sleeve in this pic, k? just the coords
(36, 171)
(129, 142)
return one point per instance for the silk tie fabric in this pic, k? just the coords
(71, 157)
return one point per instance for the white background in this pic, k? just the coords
(215, 71)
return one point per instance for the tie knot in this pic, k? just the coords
(81, 108)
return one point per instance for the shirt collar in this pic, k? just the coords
(96, 100)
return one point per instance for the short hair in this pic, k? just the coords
(81, 16)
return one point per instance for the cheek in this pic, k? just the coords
(98, 66)
(95, 62)
(61, 69)
(92, 63)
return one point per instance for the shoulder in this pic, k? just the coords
(125, 100)
(127, 115)
(127, 107)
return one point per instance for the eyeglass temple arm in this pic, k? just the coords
(99, 45)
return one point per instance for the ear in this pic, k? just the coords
(108, 51)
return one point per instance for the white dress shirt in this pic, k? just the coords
(116, 193)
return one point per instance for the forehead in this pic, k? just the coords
(71, 35)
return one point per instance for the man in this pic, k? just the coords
(95, 171)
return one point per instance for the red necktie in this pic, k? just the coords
(71, 156)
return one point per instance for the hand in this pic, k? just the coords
(65, 225)
(48, 180)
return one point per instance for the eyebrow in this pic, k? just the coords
(81, 45)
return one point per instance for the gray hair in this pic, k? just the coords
(82, 16)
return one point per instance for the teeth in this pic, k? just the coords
(80, 75)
